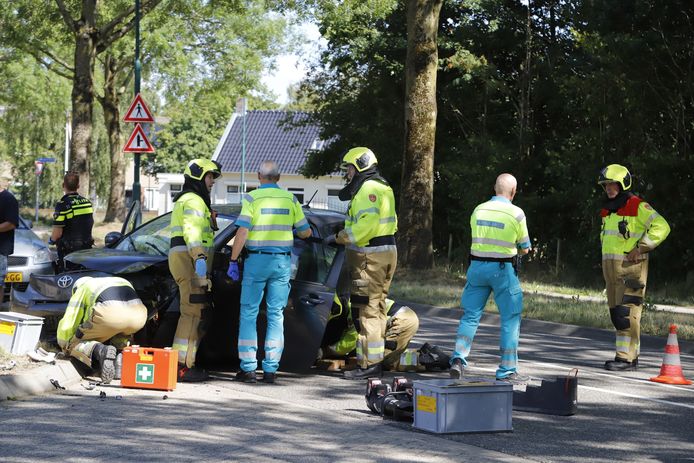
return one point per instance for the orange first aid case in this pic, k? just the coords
(149, 368)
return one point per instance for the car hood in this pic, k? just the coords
(114, 261)
(26, 243)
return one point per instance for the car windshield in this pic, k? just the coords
(154, 236)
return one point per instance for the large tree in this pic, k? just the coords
(417, 187)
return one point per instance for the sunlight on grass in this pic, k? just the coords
(443, 288)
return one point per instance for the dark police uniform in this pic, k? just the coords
(74, 213)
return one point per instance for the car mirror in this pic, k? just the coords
(112, 238)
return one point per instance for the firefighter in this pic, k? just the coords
(73, 221)
(371, 256)
(631, 229)
(100, 311)
(265, 223)
(190, 260)
(401, 326)
(499, 234)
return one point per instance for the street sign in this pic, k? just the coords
(44, 160)
(138, 112)
(138, 142)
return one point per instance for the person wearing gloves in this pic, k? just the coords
(265, 223)
(190, 260)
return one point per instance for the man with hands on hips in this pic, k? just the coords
(267, 217)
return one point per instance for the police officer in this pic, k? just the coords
(499, 233)
(73, 220)
(631, 229)
(265, 224)
(369, 236)
(402, 324)
(190, 260)
(100, 310)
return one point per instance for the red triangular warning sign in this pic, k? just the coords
(138, 112)
(138, 142)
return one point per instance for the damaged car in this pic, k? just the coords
(141, 257)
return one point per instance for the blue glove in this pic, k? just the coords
(50, 241)
(233, 271)
(201, 268)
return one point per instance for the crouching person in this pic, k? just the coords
(401, 326)
(100, 311)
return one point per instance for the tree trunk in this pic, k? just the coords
(83, 93)
(417, 192)
(109, 102)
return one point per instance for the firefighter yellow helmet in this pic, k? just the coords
(361, 158)
(615, 173)
(197, 168)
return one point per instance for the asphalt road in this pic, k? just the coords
(320, 417)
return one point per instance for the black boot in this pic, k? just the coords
(457, 369)
(104, 362)
(363, 373)
(192, 375)
(622, 365)
(246, 376)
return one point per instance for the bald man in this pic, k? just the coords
(499, 234)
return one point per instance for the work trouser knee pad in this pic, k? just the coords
(620, 317)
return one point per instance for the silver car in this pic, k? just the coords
(31, 255)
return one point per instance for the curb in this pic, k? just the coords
(38, 381)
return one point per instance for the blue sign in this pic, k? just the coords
(46, 159)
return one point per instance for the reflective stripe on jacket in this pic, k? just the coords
(270, 213)
(82, 303)
(644, 228)
(498, 229)
(191, 229)
(371, 213)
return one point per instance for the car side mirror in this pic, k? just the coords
(112, 238)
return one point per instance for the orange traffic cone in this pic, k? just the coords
(671, 370)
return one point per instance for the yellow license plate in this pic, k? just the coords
(13, 277)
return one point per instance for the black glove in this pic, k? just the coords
(330, 239)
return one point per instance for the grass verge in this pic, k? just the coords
(442, 287)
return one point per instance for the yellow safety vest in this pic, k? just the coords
(498, 229)
(270, 213)
(371, 214)
(81, 305)
(642, 227)
(191, 229)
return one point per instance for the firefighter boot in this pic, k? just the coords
(363, 373)
(622, 365)
(192, 374)
(103, 361)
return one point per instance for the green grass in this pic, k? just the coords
(443, 287)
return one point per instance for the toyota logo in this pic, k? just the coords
(65, 281)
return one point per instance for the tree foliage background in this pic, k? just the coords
(549, 90)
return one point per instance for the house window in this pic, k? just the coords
(299, 193)
(317, 144)
(334, 193)
(174, 189)
(233, 194)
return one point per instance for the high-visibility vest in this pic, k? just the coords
(76, 214)
(348, 341)
(498, 229)
(643, 227)
(191, 228)
(371, 214)
(270, 213)
(82, 303)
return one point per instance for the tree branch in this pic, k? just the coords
(68, 74)
(71, 24)
(117, 28)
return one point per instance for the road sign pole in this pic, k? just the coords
(36, 219)
(138, 66)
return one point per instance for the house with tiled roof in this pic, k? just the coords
(253, 138)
